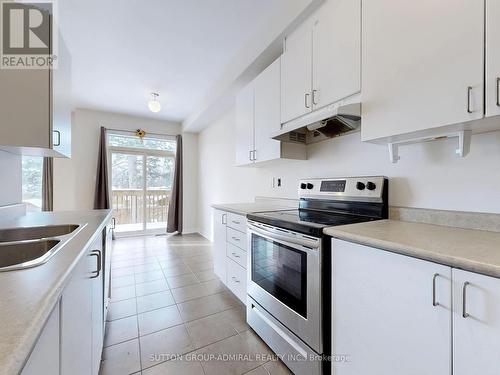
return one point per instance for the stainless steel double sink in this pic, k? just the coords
(26, 247)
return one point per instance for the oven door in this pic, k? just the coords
(284, 278)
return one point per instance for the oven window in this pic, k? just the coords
(281, 271)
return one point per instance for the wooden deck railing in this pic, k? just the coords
(129, 205)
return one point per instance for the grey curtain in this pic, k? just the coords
(47, 185)
(101, 197)
(174, 221)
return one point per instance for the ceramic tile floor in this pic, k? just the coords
(169, 314)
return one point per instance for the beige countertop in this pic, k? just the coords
(252, 207)
(28, 296)
(467, 249)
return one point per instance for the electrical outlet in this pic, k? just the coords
(276, 182)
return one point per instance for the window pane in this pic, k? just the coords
(150, 143)
(159, 172)
(127, 171)
(32, 182)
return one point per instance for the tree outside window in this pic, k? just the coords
(32, 182)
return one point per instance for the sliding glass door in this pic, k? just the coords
(141, 181)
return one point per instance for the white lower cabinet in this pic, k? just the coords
(476, 324)
(236, 279)
(383, 316)
(394, 314)
(230, 251)
(82, 319)
(97, 294)
(44, 358)
(220, 220)
(76, 322)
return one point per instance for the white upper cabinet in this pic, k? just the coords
(492, 57)
(321, 61)
(35, 108)
(336, 52)
(296, 67)
(267, 113)
(422, 65)
(258, 118)
(476, 327)
(61, 102)
(244, 135)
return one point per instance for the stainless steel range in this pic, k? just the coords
(288, 302)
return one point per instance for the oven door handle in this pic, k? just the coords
(311, 244)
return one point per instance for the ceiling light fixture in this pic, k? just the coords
(154, 105)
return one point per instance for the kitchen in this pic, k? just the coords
(338, 193)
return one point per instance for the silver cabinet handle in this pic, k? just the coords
(250, 155)
(464, 300)
(235, 222)
(306, 101)
(235, 238)
(235, 279)
(113, 223)
(498, 93)
(434, 302)
(469, 100)
(254, 155)
(223, 219)
(314, 97)
(97, 253)
(58, 133)
(235, 255)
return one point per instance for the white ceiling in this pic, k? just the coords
(124, 50)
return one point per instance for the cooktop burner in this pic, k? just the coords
(306, 221)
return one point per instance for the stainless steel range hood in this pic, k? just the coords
(340, 118)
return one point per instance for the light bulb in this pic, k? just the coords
(154, 105)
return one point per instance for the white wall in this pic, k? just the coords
(74, 179)
(10, 170)
(427, 176)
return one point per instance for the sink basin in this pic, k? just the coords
(33, 233)
(15, 255)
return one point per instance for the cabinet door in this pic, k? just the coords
(383, 315)
(44, 359)
(419, 60)
(107, 267)
(61, 101)
(475, 337)
(25, 108)
(267, 113)
(220, 220)
(97, 287)
(296, 70)
(336, 51)
(492, 58)
(76, 321)
(244, 137)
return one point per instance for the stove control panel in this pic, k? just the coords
(349, 188)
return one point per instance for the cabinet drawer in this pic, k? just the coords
(238, 222)
(237, 238)
(237, 254)
(236, 279)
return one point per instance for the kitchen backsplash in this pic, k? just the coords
(429, 175)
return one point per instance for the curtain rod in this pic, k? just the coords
(133, 132)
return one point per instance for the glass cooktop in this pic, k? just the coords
(309, 222)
